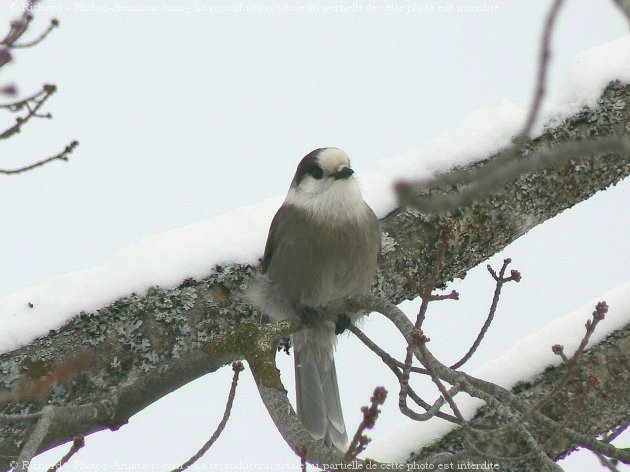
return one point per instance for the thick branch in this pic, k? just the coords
(146, 346)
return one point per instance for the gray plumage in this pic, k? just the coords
(323, 244)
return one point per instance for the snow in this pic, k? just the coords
(168, 258)
(592, 71)
(510, 369)
(476, 137)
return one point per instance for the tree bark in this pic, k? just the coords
(143, 346)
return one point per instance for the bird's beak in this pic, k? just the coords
(344, 173)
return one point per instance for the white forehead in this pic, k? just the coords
(332, 159)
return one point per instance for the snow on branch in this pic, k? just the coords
(156, 341)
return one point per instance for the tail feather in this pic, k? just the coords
(318, 403)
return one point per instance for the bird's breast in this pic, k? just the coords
(315, 262)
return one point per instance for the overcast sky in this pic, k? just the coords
(186, 112)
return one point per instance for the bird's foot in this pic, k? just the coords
(342, 323)
(284, 345)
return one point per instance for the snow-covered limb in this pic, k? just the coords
(147, 345)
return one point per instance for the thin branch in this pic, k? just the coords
(62, 156)
(500, 280)
(514, 421)
(395, 365)
(54, 23)
(237, 367)
(558, 350)
(479, 388)
(18, 27)
(384, 355)
(35, 438)
(598, 315)
(426, 296)
(38, 101)
(543, 65)
(77, 443)
(434, 377)
(370, 415)
(17, 106)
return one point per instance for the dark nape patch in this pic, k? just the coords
(308, 166)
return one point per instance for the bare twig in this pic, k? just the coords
(541, 77)
(237, 367)
(370, 415)
(32, 105)
(487, 391)
(395, 366)
(426, 293)
(558, 350)
(54, 23)
(600, 312)
(62, 156)
(427, 296)
(500, 280)
(18, 28)
(20, 104)
(436, 380)
(77, 443)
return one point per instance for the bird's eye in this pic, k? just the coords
(316, 172)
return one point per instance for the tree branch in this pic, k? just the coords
(32, 105)
(500, 280)
(237, 367)
(62, 156)
(155, 342)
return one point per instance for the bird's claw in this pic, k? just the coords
(342, 323)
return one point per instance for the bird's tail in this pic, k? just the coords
(318, 404)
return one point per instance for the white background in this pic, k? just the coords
(183, 115)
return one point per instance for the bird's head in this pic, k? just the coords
(322, 169)
(324, 186)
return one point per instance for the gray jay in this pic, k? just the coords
(323, 244)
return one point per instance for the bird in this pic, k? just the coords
(323, 244)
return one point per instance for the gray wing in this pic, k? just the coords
(271, 237)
